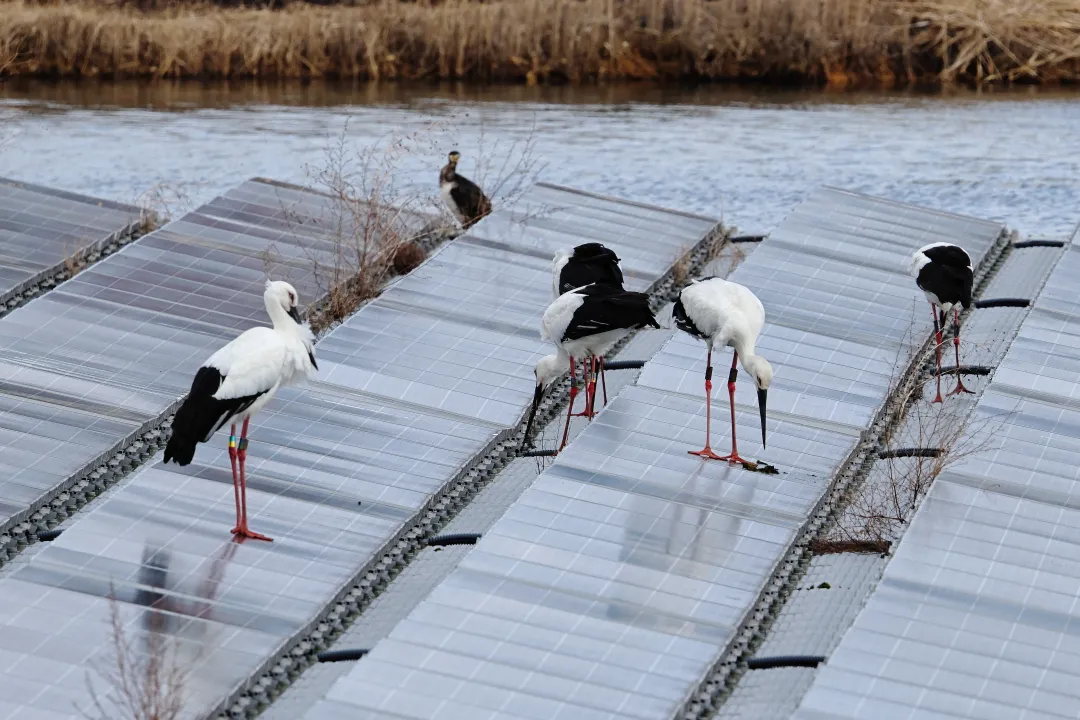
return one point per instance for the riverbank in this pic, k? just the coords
(836, 43)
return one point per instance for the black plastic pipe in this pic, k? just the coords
(454, 539)
(1038, 243)
(910, 452)
(1002, 302)
(785, 661)
(341, 655)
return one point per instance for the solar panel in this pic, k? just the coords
(612, 585)
(411, 389)
(41, 228)
(974, 613)
(102, 358)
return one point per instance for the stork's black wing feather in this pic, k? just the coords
(470, 200)
(948, 283)
(590, 263)
(951, 256)
(609, 308)
(683, 321)
(201, 415)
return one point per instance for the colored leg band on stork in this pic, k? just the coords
(243, 444)
(708, 374)
(734, 373)
(232, 442)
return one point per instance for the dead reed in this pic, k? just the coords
(839, 43)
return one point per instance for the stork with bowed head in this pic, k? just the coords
(943, 272)
(239, 380)
(588, 263)
(585, 323)
(724, 313)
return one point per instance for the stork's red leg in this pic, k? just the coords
(242, 529)
(707, 452)
(937, 350)
(569, 410)
(734, 373)
(588, 381)
(235, 477)
(590, 389)
(956, 346)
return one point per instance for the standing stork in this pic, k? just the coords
(943, 272)
(722, 314)
(461, 194)
(238, 381)
(589, 263)
(585, 322)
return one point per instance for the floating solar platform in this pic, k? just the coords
(611, 587)
(976, 613)
(42, 229)
(835, 587)
(100, 360)
(411, 390)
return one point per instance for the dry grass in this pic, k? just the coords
(840, 43)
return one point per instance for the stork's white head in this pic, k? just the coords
(283, 295)
(762, 372)
(759, 369)
(547, 369)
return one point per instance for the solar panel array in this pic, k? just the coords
(410, 390)
(977, 610)
(41, 228)
(99, 359)
(612, 585)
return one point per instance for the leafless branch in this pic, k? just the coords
(887, 500)
(142, 683)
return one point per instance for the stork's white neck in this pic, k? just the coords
(745, 350)
(278, 316)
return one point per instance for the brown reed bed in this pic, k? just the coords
(839, 43)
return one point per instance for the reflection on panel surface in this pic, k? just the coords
(976, 614)
(42, 227)
(410, 390)
(614, 582)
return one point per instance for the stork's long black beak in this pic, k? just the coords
(761, 394)
(295, 315)
(537, 394)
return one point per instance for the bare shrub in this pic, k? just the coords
(886, 501)
(143, 683)
(374, 226)
(408, 257)
(160, 203)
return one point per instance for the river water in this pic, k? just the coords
(750, 155)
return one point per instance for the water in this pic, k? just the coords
(750, 155)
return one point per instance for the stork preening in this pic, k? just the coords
(724, 313)
(589, 263)
(943, 272)
(239, 380)
(585, 323)
(461, 194)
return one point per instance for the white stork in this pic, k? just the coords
(585, 322)
(238, 381)
(943, 272)
(588, 263)
(722, 314)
